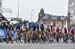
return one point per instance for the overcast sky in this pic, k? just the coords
(55, 7)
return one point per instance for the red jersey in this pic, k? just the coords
(65, 31)
(72, 31)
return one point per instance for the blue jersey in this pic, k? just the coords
(18, 26)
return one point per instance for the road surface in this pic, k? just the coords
(37, 46)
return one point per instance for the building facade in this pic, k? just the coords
(49, 19)
(71, 11)
(53, 20)
(71, 7)
(0, 5)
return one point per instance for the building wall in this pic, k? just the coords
(71, 10)
(71, 7)
(54, 20)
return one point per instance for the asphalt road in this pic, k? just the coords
(37, 46)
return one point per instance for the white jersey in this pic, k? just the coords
(54, 29)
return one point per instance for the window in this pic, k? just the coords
(54, 17)
(61, 18)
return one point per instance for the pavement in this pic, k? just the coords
(3, 45)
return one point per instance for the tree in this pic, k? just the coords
(41, 14)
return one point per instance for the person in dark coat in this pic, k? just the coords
(72, 35)
(65, 36)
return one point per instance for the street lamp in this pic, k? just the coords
(18, 8)
(32, 14)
